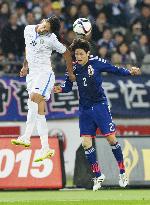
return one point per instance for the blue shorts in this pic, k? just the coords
(98, 116)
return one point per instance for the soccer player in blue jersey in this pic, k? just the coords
(93, 106)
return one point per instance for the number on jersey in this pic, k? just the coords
(84, 82)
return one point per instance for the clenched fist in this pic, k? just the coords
(135, 71)
(24, 71)
(57, 89)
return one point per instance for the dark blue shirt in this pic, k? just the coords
(89, 81)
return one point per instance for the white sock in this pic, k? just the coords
(42, 129)
(31, 119)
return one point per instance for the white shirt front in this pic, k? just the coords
(39, 49)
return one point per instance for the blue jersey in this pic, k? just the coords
(89, 81)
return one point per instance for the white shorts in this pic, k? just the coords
(41, 83)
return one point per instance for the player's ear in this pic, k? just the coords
(88, 53)
(42, 20)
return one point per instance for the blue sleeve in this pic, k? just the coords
(67, 86)
(104, 66)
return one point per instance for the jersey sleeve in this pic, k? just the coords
(67, 86)
(28, 29)
(104, 66)
(25, 31)
(56, 45)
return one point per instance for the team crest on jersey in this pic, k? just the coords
(33, 43)
(90, 70)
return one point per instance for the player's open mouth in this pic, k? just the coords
(43, 32)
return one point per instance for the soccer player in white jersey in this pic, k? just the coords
(40, 41)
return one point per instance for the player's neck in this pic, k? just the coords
(36, 28)
(85, 63)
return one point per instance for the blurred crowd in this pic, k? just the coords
(120, 34)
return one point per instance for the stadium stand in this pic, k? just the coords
(116, 33)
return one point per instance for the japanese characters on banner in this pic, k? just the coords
(127, 97)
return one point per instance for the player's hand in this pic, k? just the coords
(135, 71)
(24, 71)
(57, 89)
(72, 77)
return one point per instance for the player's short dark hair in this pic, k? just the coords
(55, 24)
(80, 44)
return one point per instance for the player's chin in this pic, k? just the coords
(80, 62)
(41, 32)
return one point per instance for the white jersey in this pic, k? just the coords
(39, 49)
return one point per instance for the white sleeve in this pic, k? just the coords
(28, 30)
(56, 45)
(25, 31)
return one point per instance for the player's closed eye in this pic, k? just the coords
(79, 54)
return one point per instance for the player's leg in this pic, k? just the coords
(104, 122)
(43, 85)
(30, 124)
(117, 152)
(42, 128)
(41, 124)
(31, 118)
(91, 157)
(87, 131)
(90, 154)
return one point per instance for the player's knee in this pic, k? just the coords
(41, 112)
(86, 145)
(33, 107)
(112, 139)
(35, 97)
(32, 111)
(86, 142)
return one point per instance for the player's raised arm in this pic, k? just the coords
(54, 28)
(104, 66)
(65, 88)
(68, 58)
(59, 47)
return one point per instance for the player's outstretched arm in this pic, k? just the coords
(104, 66)
(68, 59)
(24, 69)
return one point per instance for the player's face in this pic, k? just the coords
(81, 56)
(43, 27)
